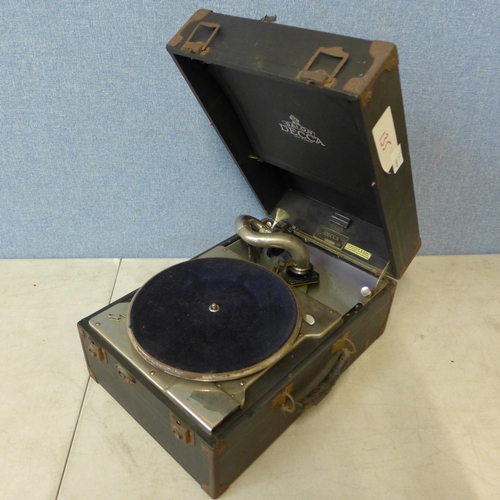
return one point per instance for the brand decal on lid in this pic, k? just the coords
(299, 131)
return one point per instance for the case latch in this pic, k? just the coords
(198, 44)
(321, 76)
(180, 431)
(97, 352)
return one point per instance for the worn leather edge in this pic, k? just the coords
(197, 16)
(385, 58)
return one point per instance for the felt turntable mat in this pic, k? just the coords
(172, 319)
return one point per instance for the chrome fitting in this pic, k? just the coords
(254, 232)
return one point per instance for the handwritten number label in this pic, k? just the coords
(386, 141)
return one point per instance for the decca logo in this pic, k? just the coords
(300, 132)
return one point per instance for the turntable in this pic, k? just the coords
(215, 357)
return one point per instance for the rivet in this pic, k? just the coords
(152, 372)
(98, 324)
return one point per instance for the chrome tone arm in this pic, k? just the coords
(254, 232)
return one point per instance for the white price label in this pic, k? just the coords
(386, 141)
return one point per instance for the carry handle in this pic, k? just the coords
(320, 76)
(289, 404)
(200, 46)
(325, 386)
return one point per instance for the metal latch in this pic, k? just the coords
(97, 352)
(204, 30)
(321, 76)
(180, 431)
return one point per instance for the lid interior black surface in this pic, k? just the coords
(310, 134)
(248, 109)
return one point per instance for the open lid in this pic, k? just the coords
(315, 122)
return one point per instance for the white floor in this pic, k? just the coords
(416, 417)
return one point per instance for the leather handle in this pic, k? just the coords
(325, 386)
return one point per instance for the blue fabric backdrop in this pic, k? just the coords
(104, 152)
